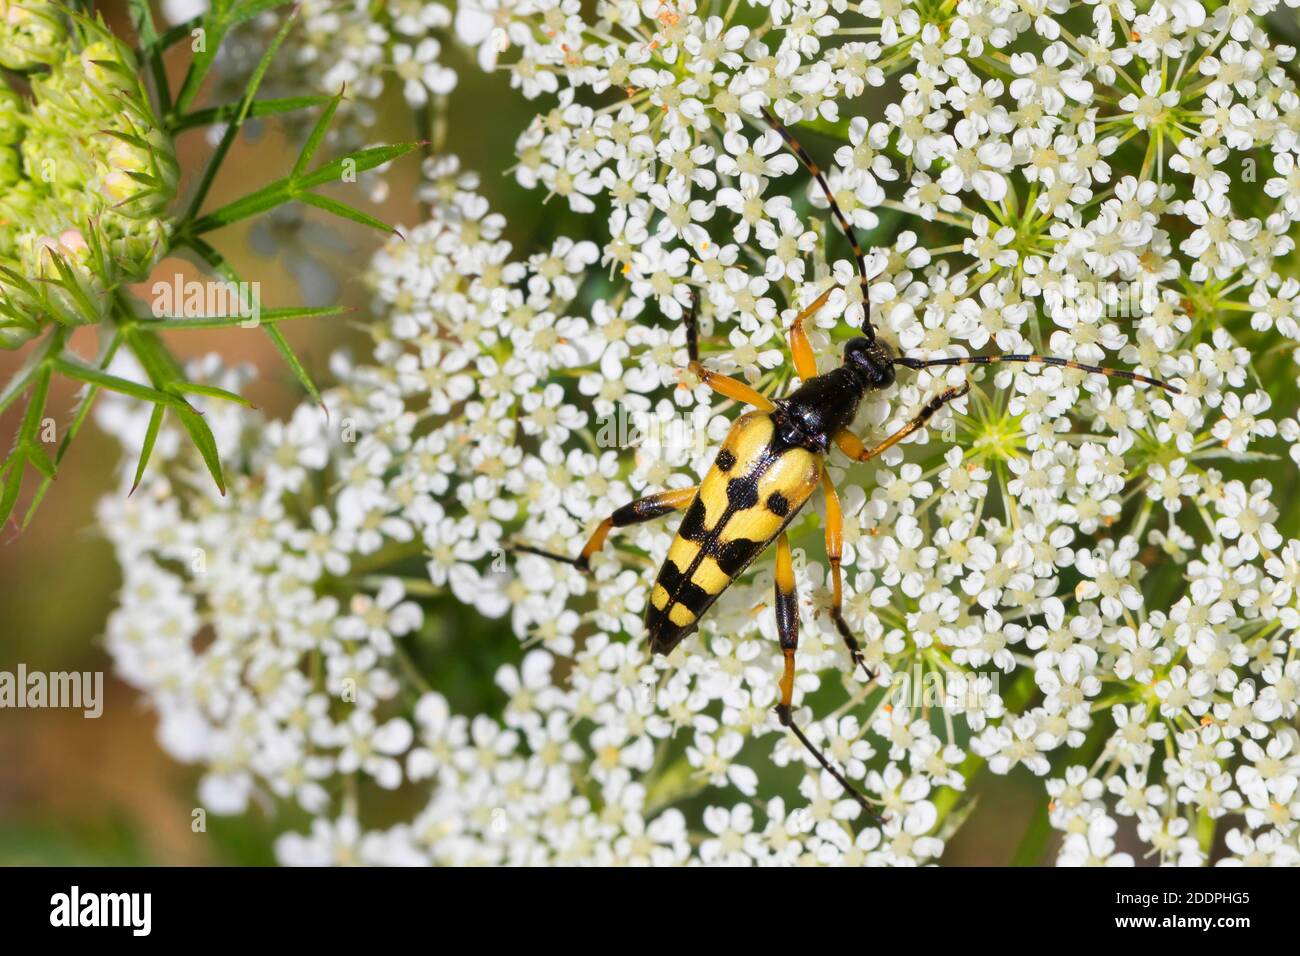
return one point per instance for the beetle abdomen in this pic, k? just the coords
(753, 490)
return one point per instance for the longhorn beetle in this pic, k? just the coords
(769, 464)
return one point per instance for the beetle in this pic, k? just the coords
(766, 470)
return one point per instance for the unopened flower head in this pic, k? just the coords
(86, 170)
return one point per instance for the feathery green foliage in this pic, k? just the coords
(88, 195)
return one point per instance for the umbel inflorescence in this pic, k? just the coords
(1097, 582)
(86, 173)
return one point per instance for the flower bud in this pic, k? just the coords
(86, 171)
(10, 168)
(106, 68)
(11, 113)
(31, 34)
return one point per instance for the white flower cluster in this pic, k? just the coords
(1013, 152)
(1091, 572)
(351, 45)
(272, 644)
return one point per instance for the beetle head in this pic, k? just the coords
(872, 362)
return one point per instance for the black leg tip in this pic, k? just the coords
(783, 714)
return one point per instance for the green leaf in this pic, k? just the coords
(245, 104)
(344, 211)
(70, 284)
(201, 435)
(78, 419)
(39, 459)
(36, 405)
(115, 66)
(215, 260)
(222, 15)
(153, 354)
(150, 437)
(271, 316)
(94, 376)
(13, 483)
(290, 188)
(142, 20)
(139, 142)
(25, 449)
(179, 32)
(268, 317)
(362, 160)
(260, 108)
(299, 371)
(251, 8)
(268, 197)
(27, 374)
(212, 391)
(214, 24)
(55, 309)
(317, 134)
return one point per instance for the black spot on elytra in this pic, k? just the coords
(694, 597)
(742, 493)
(654, 617)
(726, 460)
(732, 556)
(692, 526)
(778, 504)
(664, 634)
(670, 576)
(681, 591)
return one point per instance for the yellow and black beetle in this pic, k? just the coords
(770, 463)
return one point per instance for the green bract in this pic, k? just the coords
(87, 172)
(88, 179)
(33, 32)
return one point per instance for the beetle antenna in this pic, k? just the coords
(868, 329)
(915, 363)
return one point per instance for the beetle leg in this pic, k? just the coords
(692, 321)
(834, 555)
(787, 626)
(852, 446)
(732, 388)
(635, 512)
(805, 362)
(787, 621)
(722, 384)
